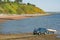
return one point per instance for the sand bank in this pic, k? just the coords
(4, 17)
(26, 36)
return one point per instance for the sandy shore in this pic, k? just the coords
(27, 36)
(4, 17)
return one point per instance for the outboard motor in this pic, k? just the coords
(35, 32)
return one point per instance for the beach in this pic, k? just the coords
(27, 36)
(4, 17)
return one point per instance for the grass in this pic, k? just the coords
(16, 8)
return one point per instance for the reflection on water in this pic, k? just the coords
(28, 24)
(1, 27)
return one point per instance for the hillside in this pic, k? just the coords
(16, 8)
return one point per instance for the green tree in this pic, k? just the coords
(6, 0)
(18, 0)
(0, 1)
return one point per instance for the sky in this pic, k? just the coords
(46, 5)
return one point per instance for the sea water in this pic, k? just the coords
(28, 24)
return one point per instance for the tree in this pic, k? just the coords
(6, 0)
(0, 0)
(18, 0)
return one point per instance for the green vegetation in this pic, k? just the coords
(16, 8)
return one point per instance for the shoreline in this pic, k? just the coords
(4, 17)
(27, 36)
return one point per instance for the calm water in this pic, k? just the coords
(28, 24)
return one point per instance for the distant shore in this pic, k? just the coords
(4, 17)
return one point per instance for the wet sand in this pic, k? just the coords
(27, 36)
(5, 18)
(16, 17)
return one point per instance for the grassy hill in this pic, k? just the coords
(16, 8)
